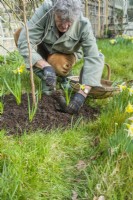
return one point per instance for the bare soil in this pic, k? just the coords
(15, 119)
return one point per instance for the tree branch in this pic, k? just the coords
(11, 9)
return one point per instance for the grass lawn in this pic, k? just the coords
(82, 163)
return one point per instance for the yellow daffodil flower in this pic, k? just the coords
(118, 36)
(19, 70)
(122, 87)
(130, 130)
(129, 108)
(130, 91)
(82, 87)
(113, 41)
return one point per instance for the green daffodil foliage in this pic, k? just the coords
(14, 83)
(121, 39)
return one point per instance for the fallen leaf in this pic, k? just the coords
(75, 195)
(96, 142)
(81, 165)
(101, 198)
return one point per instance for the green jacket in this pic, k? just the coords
(42, 28)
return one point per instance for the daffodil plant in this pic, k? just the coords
(130, 91)
(32, 109)
(68, 92)
(123, 102)
(122, 39)
(130, 130)
(14, 84)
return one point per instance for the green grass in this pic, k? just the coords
(119, 58)
(88, 160)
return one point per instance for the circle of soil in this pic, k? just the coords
(15, 118)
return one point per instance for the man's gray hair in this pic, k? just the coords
(67, 9)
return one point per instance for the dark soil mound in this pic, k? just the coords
(15, 118)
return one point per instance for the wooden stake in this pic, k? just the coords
(30, 56)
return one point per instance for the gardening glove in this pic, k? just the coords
(50, 76)
(75, 104)
(59, 97)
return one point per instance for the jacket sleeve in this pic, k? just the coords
(36, 28)
(93, 60)
(78, 54)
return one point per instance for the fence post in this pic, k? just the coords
(107, 13)
(99, 18)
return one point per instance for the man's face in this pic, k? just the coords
(62, 25)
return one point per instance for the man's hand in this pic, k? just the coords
(78, 100)
(49, 76)
(75, 104)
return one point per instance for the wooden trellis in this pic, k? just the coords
(107, 15)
